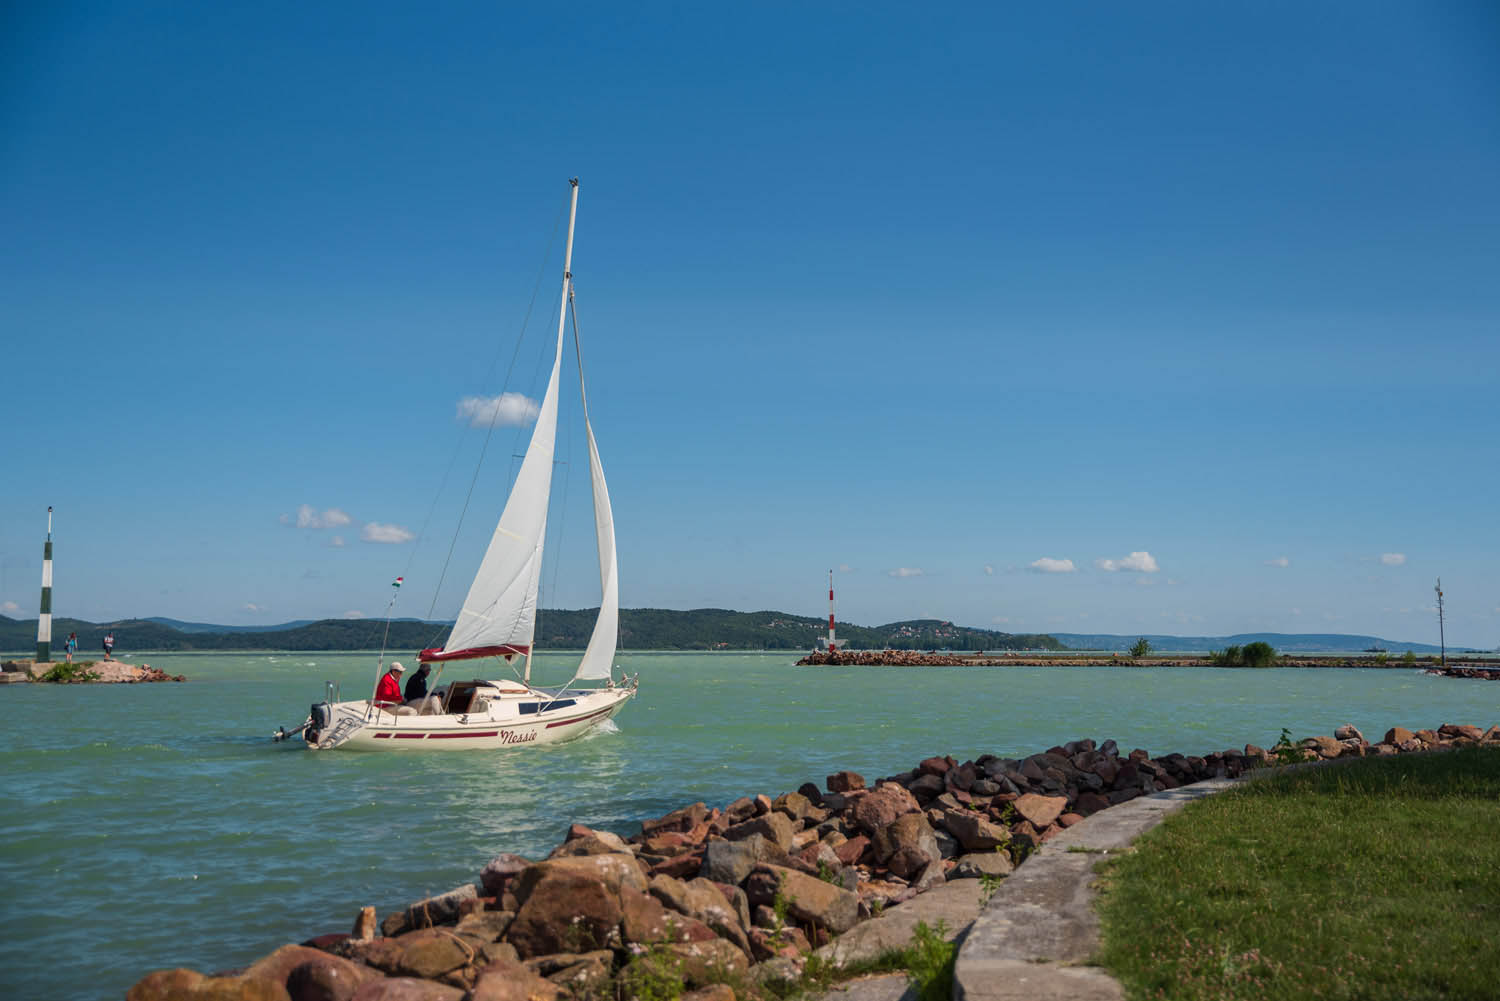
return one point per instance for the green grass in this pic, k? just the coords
(1374, 879)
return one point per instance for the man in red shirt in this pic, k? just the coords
(388, 692)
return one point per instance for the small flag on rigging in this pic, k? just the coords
(397, 582)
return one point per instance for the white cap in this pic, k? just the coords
(396, 666)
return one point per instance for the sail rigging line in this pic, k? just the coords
(509, 371)
(380, 665)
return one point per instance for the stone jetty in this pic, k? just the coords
(1480, 673)
(722, 901)
(108, 672)
(1084, 658)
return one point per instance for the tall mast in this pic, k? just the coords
(562, 318)
(44, 618)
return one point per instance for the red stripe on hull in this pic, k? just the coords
(504, 650)
(579, 719)
(452, 736)
(409, 736)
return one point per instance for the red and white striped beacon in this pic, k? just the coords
(831, 645)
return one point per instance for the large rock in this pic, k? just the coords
(879, 807)
(190, 985)
(319, 980)
(703, 901)
(731, 861)
(974, 830)
(684, 819)
(1323, 747)
(643, 919)
(406, 989)
(443, 909)
(702, 963)
(592, 843)
(1040, 810)
(1451, 730)
(982, 864)
(907, 845)
(807, 898)
(431, 952)
(500, 872)
(614, 871)
(776, 828)
(513, 982)
(310, 974)
(845, 781)
(1398, 735)
(1348, 732)
(568, 910)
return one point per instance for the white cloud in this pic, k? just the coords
(376, 532)
(251, 606)
(1140, 562)
(1049, 565)
(337, 542)
(906, 572)
(310, 517)
(354, 613)
(1393, 559)
(989, 570)
(1280, 561)
(507, 408)
(10, 608)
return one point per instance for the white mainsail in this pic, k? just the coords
(499, 614)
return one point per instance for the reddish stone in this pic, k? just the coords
(1040, 810)
(1069, 819)
(1089, 803)
(684, 866)
(851, 851)
(845, 781)
(935, 766)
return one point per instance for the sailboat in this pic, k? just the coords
(498, 619)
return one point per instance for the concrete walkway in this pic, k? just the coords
(1034, 937)
(1032, 940)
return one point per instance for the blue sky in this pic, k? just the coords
(1087, 319)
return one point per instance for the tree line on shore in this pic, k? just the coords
(557, 629)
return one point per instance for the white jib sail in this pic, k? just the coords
(501, 605)
(599, 657)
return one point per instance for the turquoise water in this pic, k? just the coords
(149, 826)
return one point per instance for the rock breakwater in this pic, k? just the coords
(109, 672)
(704, 897)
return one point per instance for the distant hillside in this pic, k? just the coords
(557, 629)
(1284, 642)
(209, 627)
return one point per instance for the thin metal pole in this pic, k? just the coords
(1442, 640)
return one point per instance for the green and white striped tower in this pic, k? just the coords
(44, 620)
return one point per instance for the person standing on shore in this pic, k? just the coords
(109, 645)
(70, 645)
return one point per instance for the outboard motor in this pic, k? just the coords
(318, 719)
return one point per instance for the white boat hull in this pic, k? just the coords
(513, 718)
